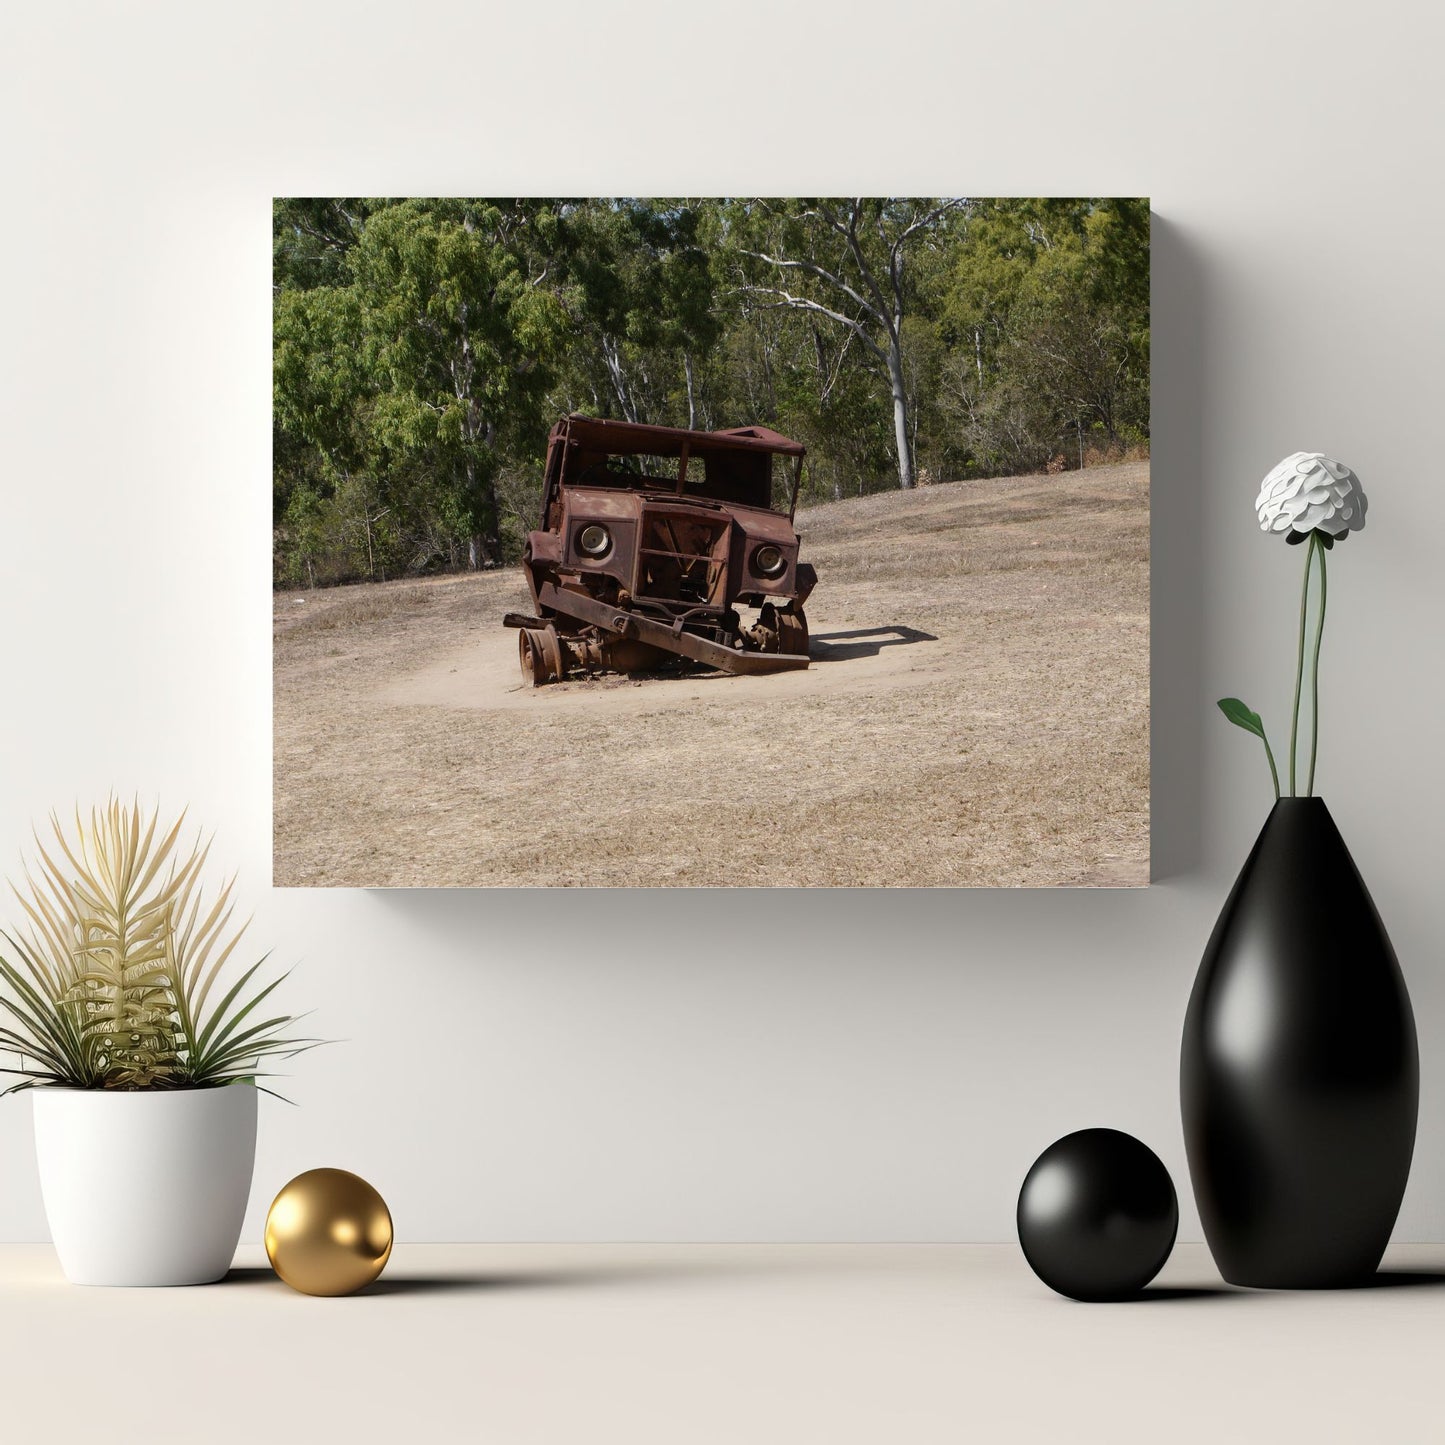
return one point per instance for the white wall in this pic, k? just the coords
(894, 1067)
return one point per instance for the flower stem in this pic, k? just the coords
(1273, 771)
(1315, 674)
(1299, 673)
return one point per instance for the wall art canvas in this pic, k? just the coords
(719, 542)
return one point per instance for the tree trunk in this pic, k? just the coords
(484, 546)
(612, 357)
(691, 398)
(900, 414)
(476, 552)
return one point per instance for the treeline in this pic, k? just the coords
(422, 349)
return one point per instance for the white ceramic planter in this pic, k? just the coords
(147, 1187)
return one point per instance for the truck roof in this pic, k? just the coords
(624, 438)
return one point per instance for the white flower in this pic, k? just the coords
(1309, 492)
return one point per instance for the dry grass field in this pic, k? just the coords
(976, 714)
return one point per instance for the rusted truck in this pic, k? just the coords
(653, 540)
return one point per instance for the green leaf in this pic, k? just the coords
(1241, 716)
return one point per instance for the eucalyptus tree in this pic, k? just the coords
(323, 455)
(457, 328)
(637, 285)
(417, 356)
(1046, 322)
(846, 261)
(311, 237)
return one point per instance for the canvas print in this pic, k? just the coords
(718, 542)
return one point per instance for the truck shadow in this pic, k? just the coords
(870, 641)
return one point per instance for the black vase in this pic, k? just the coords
(1299, 1074)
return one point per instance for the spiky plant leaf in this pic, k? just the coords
(118, 904)
(112, 981)
(47, 1031)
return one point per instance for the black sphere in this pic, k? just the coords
(1097, 1215)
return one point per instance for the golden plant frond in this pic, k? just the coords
(102, 924)
(124, 948)
(202, 946)
(49, 955)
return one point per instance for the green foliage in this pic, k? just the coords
(1244, 717)
(1241, 716)
(113, 977)
(424, 347)
(1047, 310)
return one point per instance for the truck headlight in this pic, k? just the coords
(768, 561)
(594, 540)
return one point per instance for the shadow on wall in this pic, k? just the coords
(1179, 341)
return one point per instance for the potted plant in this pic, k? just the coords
(1299, 1072)
(142, 1058)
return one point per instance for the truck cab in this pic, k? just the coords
(660, 542)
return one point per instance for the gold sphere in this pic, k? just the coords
(328, 1232)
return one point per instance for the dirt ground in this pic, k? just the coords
(976, 714)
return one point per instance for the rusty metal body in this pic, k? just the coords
(651, 541)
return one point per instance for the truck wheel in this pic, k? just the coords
(540, 652)
(793, 632)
